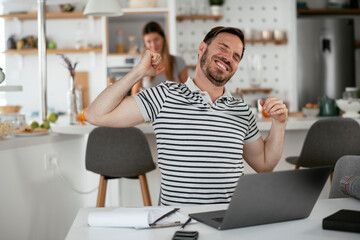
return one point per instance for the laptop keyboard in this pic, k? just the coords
(220, 219)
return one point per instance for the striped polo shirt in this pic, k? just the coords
(199, 143)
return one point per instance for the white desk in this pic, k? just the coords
(309, 228)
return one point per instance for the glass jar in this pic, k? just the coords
(133, 44)
(120, 43)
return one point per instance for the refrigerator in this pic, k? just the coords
(325, 58)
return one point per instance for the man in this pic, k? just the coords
(202, 132)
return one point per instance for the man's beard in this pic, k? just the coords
(214, 77)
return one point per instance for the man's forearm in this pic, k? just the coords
(111, 97)
(274, 144)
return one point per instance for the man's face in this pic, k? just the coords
(221, 58)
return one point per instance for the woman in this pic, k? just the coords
(175, 68)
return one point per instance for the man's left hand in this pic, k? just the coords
(276, 109)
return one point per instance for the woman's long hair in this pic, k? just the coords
(168, 59)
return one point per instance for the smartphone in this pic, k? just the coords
(185, 235)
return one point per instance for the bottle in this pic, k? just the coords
(11, 43)
(133, 44)
(120, 44)
(350, 185)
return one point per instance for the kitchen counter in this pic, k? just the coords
(14, 142)
(294, 123)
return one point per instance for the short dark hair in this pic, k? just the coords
(216, 30)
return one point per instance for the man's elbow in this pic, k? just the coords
(91, 117)
(265, 168)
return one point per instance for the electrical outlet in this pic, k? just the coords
(50, 160)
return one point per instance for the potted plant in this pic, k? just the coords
(216, 6)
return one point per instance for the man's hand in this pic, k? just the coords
(150, 64)
(276, 109)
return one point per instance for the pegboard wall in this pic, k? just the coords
(255, 15)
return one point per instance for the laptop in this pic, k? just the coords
(272, 197)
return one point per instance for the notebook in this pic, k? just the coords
(268, 198)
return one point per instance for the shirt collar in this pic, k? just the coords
(193, 88)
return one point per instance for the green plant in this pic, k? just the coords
(216, 2)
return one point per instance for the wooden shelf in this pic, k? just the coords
(309, 12)
(49, 15)
(275, 41)
(198, 17)
(125, 54)
(69, 15)
(255, 90)
(52, 51)
(357, 44)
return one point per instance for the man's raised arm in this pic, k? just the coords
(112, 108)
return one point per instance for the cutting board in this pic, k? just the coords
(82, 79)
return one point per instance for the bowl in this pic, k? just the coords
(350, 107)
(310, 112)
(10, 109)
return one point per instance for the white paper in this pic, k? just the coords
(133, 217)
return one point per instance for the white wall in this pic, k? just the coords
(35, 203)
(278, 61)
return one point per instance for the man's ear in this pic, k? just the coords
(202, 47)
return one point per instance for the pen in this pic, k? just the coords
(187, 221)
(163, 216)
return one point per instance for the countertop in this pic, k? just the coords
(61, 131)
(12, 142)
(294, 123)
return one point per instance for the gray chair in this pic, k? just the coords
(345, 166)
(117, 153)
(326, 141)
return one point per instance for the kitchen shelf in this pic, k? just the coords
(125, 54)
(71, 15)
(255, 90)
(357, 44)
(313, 12)
(275, 41)
(198, 17)
(49, 15)
(51, 51)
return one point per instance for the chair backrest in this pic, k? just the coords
(329, 139)
(118, 152)
(345, 166)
